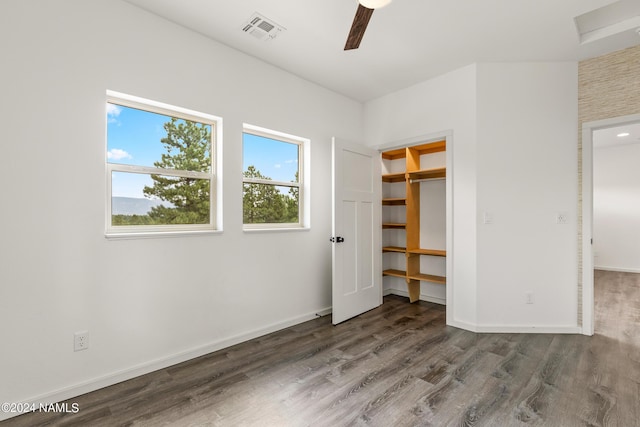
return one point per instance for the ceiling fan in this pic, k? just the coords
(361, 20)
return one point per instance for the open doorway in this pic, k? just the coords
(611, 205)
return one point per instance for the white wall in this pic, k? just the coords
(445, 103)
(616, 208)
(527, 173)
(146, 302)
(150, 302)
(514, 156)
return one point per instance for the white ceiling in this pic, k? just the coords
(604, 138)
(407, 42)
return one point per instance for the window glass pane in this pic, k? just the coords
(264, 203)
(267, 158)
(142, 199)
(143, 138)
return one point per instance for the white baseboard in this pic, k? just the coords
(325, 312)
(617, 269)
(471, 327)
(94, 384)
(423, 297)
(529, 329)
(508, 329)
(494, 328)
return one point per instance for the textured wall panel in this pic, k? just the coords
(609, 87)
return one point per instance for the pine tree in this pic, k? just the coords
(262, 203)
(188, 147)
(293, 201)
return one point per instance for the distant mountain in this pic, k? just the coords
(133, 205)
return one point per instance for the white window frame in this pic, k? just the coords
(214, 176)
(303, 184)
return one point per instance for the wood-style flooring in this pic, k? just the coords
(397, 365)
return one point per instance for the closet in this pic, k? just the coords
(414, 229)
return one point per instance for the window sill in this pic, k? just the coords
(274, 229)
(160, 234)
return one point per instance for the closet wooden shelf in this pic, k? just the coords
(399, 153)
(432, 252)
(428, 173)
(431, 147)
(395, 273)
(440, 280)
(429, 278)
(394, 177)
(394, 225)
(394, 249)
(413, 174)
(428, 148)
(395, 201)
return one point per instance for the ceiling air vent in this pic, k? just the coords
(262, 28)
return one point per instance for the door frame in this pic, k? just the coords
(588, 297)
(423, 139)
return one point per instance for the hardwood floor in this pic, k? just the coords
(397, 365)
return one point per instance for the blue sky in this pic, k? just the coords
(133, 138)
(275, 159)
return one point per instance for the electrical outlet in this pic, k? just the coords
(528, 297)
(81, 341)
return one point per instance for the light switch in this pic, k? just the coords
(488, 218)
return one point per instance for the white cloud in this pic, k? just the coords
(291, 161)
(277, 166)
(118, 154)
(113, 111)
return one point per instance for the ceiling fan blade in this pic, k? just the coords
(360, 22)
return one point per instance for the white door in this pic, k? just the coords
(357, 230)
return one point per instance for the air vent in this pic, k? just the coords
(262, 28)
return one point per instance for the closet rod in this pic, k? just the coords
(411, 181)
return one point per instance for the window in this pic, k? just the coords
(161, 167)
(275, 187)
